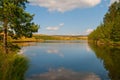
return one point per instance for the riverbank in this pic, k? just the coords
(44, 38)
(27, 40)
(13, 66)
(104, 42)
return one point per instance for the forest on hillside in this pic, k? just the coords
(109, 30)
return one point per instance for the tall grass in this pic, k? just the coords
(12, 66)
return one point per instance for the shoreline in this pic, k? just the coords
(106, 43)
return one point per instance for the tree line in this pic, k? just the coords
(109, 30)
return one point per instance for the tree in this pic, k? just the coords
(113, 18)
(13, 17)
(115, 32)
(110, 29)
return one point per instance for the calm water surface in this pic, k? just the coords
(66, 61)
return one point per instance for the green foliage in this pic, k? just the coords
(15, 20)
(11, 48)
(1, 30)
(110, 29)
(18, 21)
(12, 67)
(115, 32)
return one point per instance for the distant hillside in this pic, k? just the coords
(42, 38)
(60, 37)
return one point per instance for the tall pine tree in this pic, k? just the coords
(14, 17)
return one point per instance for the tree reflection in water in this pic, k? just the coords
(12, 67)
(111, 59)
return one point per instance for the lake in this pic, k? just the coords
(71, 61)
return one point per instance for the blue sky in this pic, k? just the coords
(67, 17)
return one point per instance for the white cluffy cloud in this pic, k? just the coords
(88, 31)
(64, 5)
(55, 28)
(112, 1)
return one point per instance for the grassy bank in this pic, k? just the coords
(42, 38)
(23, 39)
(12, 66)
(59, 37)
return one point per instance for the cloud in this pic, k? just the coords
(65, 5)
(52, 28)
(55, 28)
(112, 1)
(88, 31)
(61, 24)
(53, 51)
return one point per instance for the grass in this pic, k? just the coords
(12, 66)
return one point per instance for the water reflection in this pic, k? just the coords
(78, 57)
(64, 74)
(12, 67)
(110, 56)
(55, 51)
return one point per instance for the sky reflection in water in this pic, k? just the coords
(63, 59)
(64, 74)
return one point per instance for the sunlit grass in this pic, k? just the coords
(12, 66)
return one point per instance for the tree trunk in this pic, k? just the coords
(5, 37)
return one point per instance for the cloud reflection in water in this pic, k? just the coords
(64, 74)
(55, 51)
